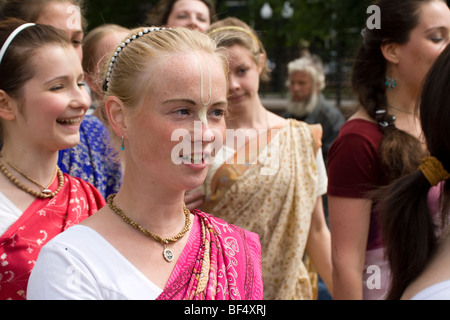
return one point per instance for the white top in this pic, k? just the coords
(9, 213)
(79, 264)
(438, 291)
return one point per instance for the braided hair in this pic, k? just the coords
(400, 152)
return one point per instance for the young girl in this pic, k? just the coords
(159, 83)
(42, 103)
(90, 158)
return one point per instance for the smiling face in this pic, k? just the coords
(53, 102)
(426, 42)
(183, 87)
(192, 14)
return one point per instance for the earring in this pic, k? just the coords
(390, 83)
(122, 147)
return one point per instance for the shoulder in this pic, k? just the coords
(438, 291)
(357, 138)
(359, 128)
(275, 121)
(312, 132)
(226, 229)
(66, 266)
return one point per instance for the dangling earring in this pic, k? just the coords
(122, 147)
(390, 83)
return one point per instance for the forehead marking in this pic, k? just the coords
(203, 111)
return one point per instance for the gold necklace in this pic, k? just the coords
(167, 253)
(44, 194)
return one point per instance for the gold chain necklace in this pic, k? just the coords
(167, 253)
(44, 194)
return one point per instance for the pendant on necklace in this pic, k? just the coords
(46, 191)
(167, 254)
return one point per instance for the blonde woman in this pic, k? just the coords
(272, 182)
(158, 83)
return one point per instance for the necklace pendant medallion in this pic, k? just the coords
(46, 191)
(168, 254)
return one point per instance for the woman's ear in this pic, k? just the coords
(7, 106)
(114, 110)
(391, 52)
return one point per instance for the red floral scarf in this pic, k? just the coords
(43, 220)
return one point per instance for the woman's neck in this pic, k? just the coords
(152, 205)
(39, 165)
(402, 100)
(255, 117)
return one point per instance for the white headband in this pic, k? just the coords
(120, 48)
(11, 38)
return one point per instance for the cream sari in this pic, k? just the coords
(275, 198)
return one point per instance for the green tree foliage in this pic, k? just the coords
(329, 28)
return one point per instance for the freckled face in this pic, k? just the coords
(180, 87)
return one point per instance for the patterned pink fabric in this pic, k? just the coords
(220, 262)
(43, 220)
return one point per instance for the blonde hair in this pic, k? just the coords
(231, 31)
(129, 78)
(90, 44)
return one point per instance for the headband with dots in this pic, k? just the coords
(120, 48)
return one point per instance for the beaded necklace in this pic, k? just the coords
(167, 253)
(45, 193)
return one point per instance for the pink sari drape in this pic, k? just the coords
(220, 262)
(43, 220)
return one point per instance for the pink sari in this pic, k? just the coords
(43, 220)
(220, 262)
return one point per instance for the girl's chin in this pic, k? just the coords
(69, 143)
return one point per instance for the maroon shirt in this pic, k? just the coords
(354, 168)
